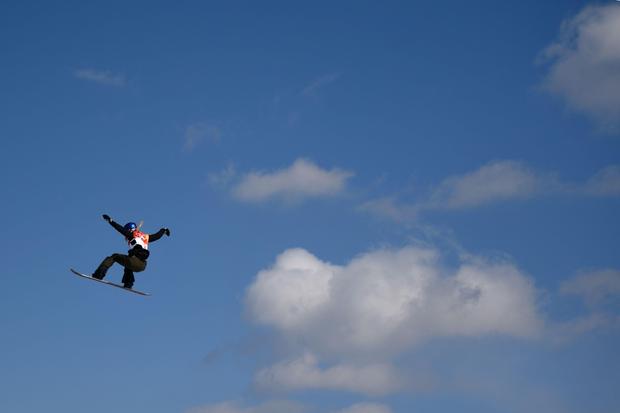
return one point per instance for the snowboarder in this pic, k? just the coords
(135, 260)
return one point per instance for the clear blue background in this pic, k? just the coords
(424, 90)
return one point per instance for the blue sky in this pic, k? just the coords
(375, 207)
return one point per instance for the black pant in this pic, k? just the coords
(131, 263)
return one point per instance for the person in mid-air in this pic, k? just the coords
(135, 260)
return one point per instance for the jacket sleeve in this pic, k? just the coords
(119, 228)
(157, 235)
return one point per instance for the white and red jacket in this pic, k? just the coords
(138, 241)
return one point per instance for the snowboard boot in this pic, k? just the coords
(98, 275)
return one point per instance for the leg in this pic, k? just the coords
(108, 262)
(132, 264)
(128, 278)
(103, 268)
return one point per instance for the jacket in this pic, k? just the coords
(137, 250)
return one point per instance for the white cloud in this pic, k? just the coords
(305, 373)
(302, 285)
(387, 300)
(360, 316)
(276, 406)
(101, 77)
(594, 287)
(303, 179)
(584, 64)
(201, 131)
(366, 408)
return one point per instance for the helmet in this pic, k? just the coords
(130, 226)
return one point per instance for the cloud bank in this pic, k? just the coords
(389, 299)
(302, 180)
(584, 64)
(381, 304)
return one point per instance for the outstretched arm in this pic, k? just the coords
(116, 225)
(159, 234)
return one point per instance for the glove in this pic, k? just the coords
(107, 217)
(167, 232)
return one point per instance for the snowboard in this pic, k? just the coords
(79, 274)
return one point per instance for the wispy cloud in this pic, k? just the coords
(200, 132)
(497, 181)
(285, 406)
(391, 208)
(366, 408)
(584, 64)
(605, 183)
(275, 406)
(101, 77)
(223, 178)
(600, 291)
(313, 88)
(568, 330)
(305, 373)
(302, 180)
(594, 287)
